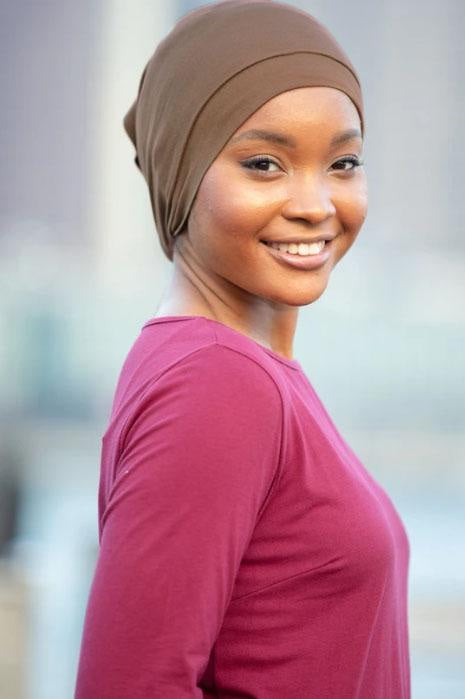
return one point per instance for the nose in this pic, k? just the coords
(309, 199)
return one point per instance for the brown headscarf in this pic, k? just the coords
(217, 66)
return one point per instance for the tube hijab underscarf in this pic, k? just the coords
(217, 66)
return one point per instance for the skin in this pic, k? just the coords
(221, 270)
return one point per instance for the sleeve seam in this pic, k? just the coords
(278, 469)
(150, 384)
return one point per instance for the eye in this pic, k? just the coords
(254, 163)
(352, 160)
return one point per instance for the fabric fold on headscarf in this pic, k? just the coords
(217, 66)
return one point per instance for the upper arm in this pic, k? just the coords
(197, 463)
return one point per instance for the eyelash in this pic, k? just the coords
(356, 162)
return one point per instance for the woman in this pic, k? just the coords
(244, 549)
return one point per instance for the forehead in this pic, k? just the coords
(305, 108)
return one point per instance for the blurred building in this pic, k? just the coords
(81, 271)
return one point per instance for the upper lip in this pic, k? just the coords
(295, 239)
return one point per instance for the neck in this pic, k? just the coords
(191, 292)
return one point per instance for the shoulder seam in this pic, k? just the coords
(279, 468)
(215, 342)
(151, 383)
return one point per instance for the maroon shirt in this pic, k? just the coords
(245, 551)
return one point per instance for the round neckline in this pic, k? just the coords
(293, 363)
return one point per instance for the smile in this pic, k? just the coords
(298, 248)
(319, 253)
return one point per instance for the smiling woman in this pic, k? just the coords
(245, 551)
(312, 193)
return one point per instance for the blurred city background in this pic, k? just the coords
(81, 271)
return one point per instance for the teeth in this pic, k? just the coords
(299, 248)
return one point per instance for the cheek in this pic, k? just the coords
(353, 206)
(231, 206)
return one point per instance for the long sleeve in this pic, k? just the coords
(198, 460)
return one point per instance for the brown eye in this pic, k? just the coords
(253, 163)
(355, 162)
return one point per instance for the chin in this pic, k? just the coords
(307, 299)
(296, 298)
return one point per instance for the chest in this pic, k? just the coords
(328, 518)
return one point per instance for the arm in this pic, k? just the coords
(196, 468)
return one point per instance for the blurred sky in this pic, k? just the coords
(81, 271)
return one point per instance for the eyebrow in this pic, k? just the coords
(260, 135)
(283, 140)
(344, 136)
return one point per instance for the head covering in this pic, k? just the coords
(217, 66)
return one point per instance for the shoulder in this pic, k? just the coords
(186, 373)
(203, 353)
(207, 377)
(216, 372)
(215, 407)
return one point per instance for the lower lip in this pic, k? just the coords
(301, 261)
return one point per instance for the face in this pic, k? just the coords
(302, 183)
